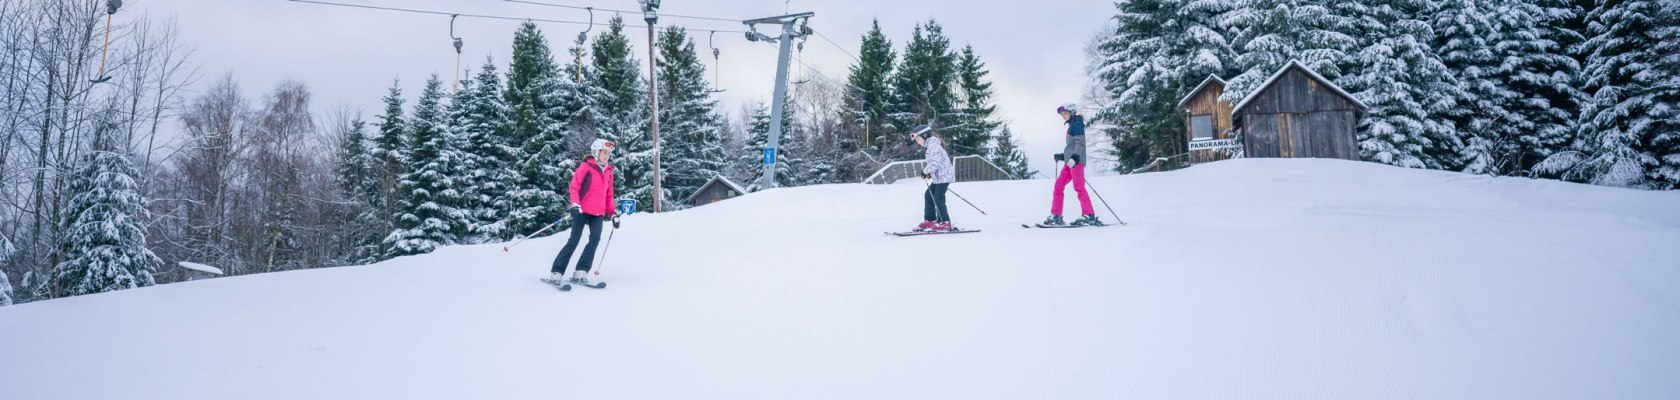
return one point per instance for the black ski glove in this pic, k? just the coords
(1058, 157)
(615, 221)
(927, 176)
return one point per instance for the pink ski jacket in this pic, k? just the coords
(592, 188)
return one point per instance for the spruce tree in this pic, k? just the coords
(6, 296)
(624, 111)
(789, 155)
(388, 160)
(1160, 50)
(428, 213)
(1409, 91)
(481, 120)
(975, 123)
(869, 98)
(693, 140)
(1007, 154)
(924, 86)
(104, 242)
(1629, 127)
(359, 225)
(1515, 93)
(1270, 33)
(534, 86)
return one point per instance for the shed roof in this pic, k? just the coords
(1315, 76)
(1193, 92)
(720, 179)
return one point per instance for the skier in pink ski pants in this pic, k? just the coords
(1072, 160)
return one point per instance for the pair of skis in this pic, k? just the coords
(1029, 226)
(925, 233)
(567, 286)
(1041, 225)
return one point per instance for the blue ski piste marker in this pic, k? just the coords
(626, 206)
(769, 155)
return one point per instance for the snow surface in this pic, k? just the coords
(1240, 279)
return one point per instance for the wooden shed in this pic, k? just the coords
(715, 190)
(1297, 113)
(1208, 120)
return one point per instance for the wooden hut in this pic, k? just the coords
(715, 190)
(1208, 120)
(1297, 113)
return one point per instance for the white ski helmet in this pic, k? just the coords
(600, 144)
(1069, 107)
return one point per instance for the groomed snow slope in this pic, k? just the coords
(1283, 279)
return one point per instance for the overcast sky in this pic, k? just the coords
(348, 56)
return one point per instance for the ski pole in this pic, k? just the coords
(603, 263)
(1105, 202)
(970, 204)
(545, 228)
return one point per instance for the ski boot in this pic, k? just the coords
(579, 278)
(925, 226)
(1087, 220)
(1054, 220)
(944, 227)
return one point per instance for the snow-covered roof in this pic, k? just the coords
(716, 179)
(1297, 64)
(1205, 82)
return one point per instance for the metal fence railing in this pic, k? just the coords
(969, 169)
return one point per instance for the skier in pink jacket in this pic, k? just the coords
(592, 199)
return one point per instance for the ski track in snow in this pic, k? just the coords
(1283, 279)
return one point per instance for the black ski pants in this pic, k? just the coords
(933, 204)
(579, 220)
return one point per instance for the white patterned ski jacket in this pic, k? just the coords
(938, 163)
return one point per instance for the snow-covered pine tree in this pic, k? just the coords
(1160, 50)
(5, 287)
(975, 124)
(533, 103)
(480, 118)
(624, 108)
(1397, 74)
(352, 173)
(1629, 129)
(104, 243)
(1006, 153)
(580, 100)
(428, 213)
(924, 87)
(1270, 33)
(389, 160)
(6, 297)
(868, 96)
(1516, 97)
(790, 165)
(692, 130)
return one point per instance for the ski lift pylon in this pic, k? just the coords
(111, 7)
